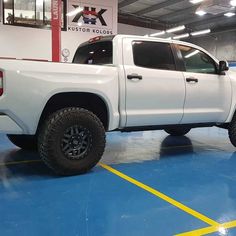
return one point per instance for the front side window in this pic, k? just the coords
(99, 53)
(197, 61)
(153, 55)
(32, 13)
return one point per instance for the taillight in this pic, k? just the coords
(1, 83)
(92, 40)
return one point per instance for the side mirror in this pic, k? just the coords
(223, 66)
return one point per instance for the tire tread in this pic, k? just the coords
(46, 132)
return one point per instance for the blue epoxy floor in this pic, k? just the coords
(197, 170)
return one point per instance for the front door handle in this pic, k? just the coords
(192, 79)
(134, 77)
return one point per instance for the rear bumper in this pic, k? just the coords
(8, 126)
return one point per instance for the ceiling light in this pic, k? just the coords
(179, 28)
(201, 13)
(76, 11)
(146, 35)
(181, 36)
(207, 31)
(229, 14)
(233, 3)
(158, 33)
(195, 1)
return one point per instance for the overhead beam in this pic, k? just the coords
(141, 21)
(196, 18)
(168, 16)
(230, 28)
(158, 6)
(126, 3)
(214, 19)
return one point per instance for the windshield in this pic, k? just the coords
(98, 53)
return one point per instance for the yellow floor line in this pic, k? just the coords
(162, 196)
(18, 162)
(222, 229)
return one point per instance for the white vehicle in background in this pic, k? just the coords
(126, 83)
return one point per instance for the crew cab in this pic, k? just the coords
(124, 83)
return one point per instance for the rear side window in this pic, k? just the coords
(153, 55)
(99, 53)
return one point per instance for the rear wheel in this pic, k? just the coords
(177, 131)
(72, 141)
(26, 142)
(232, 131)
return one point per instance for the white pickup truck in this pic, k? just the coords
(125, 83)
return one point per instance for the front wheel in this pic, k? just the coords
(177, 131)
(72, 141)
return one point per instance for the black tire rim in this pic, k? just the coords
(76, 142)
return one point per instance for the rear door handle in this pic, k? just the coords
(134, 77)
(192, 79)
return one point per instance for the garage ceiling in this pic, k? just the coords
(164, 14)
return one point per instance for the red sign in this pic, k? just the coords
(56, 30)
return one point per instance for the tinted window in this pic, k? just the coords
(197, 61)
(153, 55)
(96, 54)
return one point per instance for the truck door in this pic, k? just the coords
(155, 90)
(208, 94)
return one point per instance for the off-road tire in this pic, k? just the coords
(53, 131)
(177, 131)
(26, 142)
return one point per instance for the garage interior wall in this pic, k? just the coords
(221, 45)
(134, 30)
(25, 42)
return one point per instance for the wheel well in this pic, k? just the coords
(88, 101)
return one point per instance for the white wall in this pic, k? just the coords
(24, 42)
(134, 30)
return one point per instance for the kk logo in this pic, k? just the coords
(90, 16)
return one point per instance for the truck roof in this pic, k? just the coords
(155, 39)
(137, 37)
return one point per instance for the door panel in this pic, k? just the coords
(208, 94)
(207, 100)
(155, 96)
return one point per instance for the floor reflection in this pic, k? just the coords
(10, 168)
(144, 146)
(173, 146)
